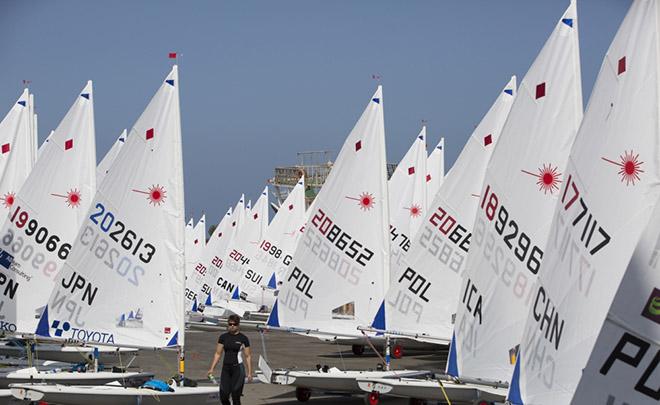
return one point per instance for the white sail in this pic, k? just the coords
(435, 166)
(204, 271)
(123, 282)
(422, 295)
(46, 215)
(513, 221)
(197, 244)
(407, 199)
(243, 247)
(275, 249)
(15, 150)
(339, 272)
(625, 356)
(188, 237)
(46, 141)
(610, 187)
(199, 232)
(103, 167)
(214, 260)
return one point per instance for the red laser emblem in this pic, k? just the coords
(155, 194)
(547, 178)
(629, 167)
(8, 199)
(72, 198)
(365, 201)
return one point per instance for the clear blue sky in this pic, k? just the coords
(261, 80)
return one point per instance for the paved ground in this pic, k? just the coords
(283, 351)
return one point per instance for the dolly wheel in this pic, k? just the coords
(303, 394)
(415, 401)
(397, 351)
(358, 350)
(373, 398)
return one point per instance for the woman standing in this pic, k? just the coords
(232, 377)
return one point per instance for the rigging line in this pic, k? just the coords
(366, 337)
(343, 365)
(121, 368)
(263, 345)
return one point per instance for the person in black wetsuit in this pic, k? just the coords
(232, 376)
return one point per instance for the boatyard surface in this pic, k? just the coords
(283, 351)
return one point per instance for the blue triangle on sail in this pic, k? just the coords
(131, 315)
(376, 100)
(42, 326)
(22, 103)
(208, 300)
(121, 139)
(170, 82)
(273, 319)
(272, 283)
(452, 363)
(175, 340)
(194, 306)
(514, 387)
(235, 296)
(568, 21)
(421, 137)
(509, 92)
(85, 95)
(379, 319)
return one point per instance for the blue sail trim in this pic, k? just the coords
(43, 325)
(452, 362)
(272, 283)
(175, 340)
(379, 320)
(514, 388)
(273, 319)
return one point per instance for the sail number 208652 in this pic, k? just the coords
(129, 241)
(342, 240)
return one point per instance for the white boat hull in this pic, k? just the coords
(430, 390)
(333, 380)
(31, 375)
(114, 395)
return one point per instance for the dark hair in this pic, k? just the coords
(234, 318)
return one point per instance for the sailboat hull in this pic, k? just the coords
(333, 380)
(114, 395)
(430, 390)
(26, 376)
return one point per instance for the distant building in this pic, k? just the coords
(316, 166)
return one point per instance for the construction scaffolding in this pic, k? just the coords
(316, 166)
